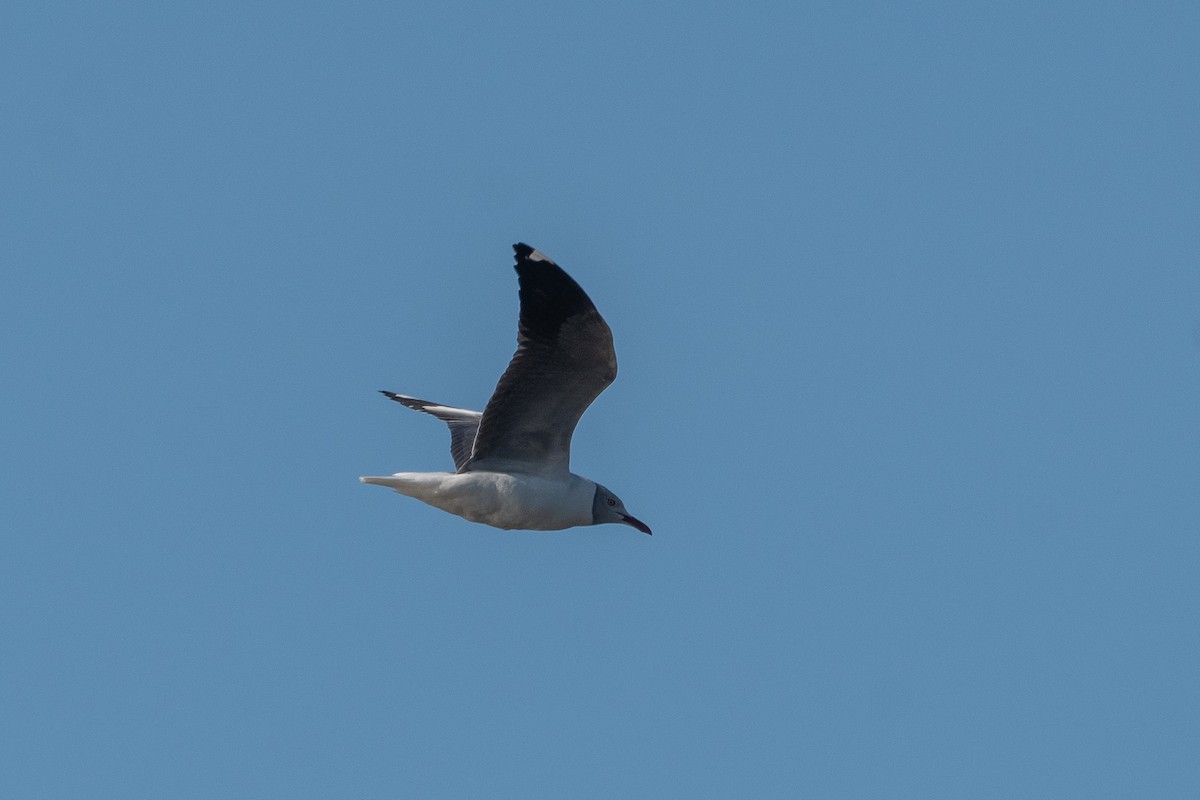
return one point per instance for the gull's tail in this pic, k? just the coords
(421, 485)
(390, 481)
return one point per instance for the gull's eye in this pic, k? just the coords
(612, 502)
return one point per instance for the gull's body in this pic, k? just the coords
(513, 459)
(511, 501)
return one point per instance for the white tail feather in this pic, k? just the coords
(389, 480)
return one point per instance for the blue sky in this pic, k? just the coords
(907, 308)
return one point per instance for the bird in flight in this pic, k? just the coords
(512, 460)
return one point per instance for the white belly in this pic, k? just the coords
(503, 500)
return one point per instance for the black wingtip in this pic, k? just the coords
(528, 255)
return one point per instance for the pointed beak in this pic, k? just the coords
(637, 523)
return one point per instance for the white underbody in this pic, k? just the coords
(511, 501)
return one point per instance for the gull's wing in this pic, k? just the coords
(564, 359)
(463, 424)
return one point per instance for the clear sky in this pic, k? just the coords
(906, 298)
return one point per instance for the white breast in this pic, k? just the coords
(505, 500)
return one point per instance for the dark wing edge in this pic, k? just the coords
(463, 424)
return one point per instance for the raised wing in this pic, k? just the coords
(463, 424)
(564, 359)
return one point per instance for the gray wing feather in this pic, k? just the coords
(564, 359)
(463, 424)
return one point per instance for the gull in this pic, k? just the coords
(512, 461)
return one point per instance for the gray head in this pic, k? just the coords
(607, 507)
